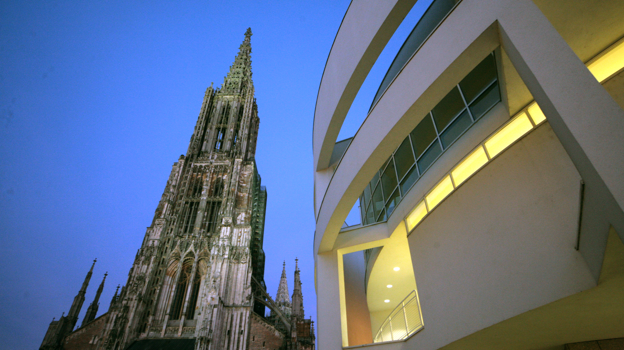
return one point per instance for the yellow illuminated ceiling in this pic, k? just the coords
(394, 254)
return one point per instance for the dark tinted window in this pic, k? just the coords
(403, 158)
(393, 201)
(388, 179)
(429, 156)
(370, 216)
(409, 179)
(455, 129)
(447, 109)
(366, 194)
(484, 102)
(479, 78)
(374, 180)
(422, 135)
(382, 216)
(378, 201)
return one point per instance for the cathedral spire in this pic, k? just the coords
(238, 78)
(282, 290)
(297, 298)
(114, 299)
(283, 299)
(72, 315)
(93, 308)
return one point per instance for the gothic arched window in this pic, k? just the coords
(199, 274)
(181, 290)
(167, 286)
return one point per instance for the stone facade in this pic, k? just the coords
(198, 279)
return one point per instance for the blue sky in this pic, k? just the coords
(99, 99)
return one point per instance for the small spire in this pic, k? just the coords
(93, 307)
(114, 299)
(297, 297)
(74, 310)
(282, 298)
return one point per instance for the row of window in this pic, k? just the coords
(474, 96)
(522, 123)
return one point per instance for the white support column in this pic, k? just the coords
(328, 311)
(587, 121)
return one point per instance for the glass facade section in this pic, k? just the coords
(479, 78)
(459, 125)
(423, 135)
(474, 96)
(505, 136)
(484, 102)
(448, 109)
(429, 157)
(404, 158)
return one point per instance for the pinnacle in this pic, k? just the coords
(238, 78)
(282, 291)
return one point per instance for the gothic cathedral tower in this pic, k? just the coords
(197, 282)
(192, 276)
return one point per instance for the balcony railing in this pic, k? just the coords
(403, 321)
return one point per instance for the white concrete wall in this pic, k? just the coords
(358, 317)
(501, 244)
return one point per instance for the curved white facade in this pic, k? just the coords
(494, 262)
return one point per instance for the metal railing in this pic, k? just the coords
(403, 321)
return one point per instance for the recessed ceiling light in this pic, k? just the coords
(389, 286)
(387, 301)
(397, 268)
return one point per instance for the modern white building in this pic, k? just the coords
(489, 173)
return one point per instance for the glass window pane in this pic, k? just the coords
(366, 194)
(403, 158)
(480, 77)
(373, 182)
(428, 157)
(409, 179)
(378, 201)
(388, 179)
(362, 212)
(484, 102)
(394, 200)
(370, 216)
(384, 164)
(459, 126)
(422, 135)
(447, 109)
(382, 216)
